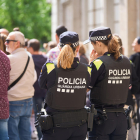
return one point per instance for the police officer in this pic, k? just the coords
(66, 81)
(110, 79)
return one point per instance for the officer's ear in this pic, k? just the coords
(98, 43)
(17, 44)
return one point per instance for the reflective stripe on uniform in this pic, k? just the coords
(97, 63)
(50, 67)
(108, 54)
(89, 70)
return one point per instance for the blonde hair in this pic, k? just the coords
(113, 47)
(66, 57)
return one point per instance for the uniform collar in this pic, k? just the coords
(110, 54)
(106, 53)
(76, 59)
(75, 62)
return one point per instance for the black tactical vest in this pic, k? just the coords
(113, 89)
(69, 90)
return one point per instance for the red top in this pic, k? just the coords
(4, 82)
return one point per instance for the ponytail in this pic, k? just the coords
(66, 57)
(113, 47)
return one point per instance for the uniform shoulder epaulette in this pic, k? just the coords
(50, 66)
(89, 70)
(97, 63)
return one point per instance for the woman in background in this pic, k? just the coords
(4, 103)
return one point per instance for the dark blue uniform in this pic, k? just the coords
(74, 133)
(114, 128)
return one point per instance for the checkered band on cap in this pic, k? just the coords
(72, 44)
(98, 38)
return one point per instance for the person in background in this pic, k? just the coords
(4, 103)
(16, 29)
(26, 43)
(53, 53)
(84, 60)
(20, 95)
(48, 46)
(2, 43)
(39, 60)
(4, 31)
(135, 58)
(82, 51)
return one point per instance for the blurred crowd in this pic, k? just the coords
(20, 64)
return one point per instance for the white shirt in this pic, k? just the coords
(24, 88)
(53, 53)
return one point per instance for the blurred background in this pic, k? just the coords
(122, 16)
(40, 18)
(33, 17)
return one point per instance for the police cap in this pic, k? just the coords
(99, 33)
(70, 38)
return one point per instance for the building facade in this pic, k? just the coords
(122, 16)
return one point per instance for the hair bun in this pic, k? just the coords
(109, 36)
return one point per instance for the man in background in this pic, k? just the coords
(135, 58)
(20, 95)
(53, 53)
(39, 60)
(82, 53)
(4, 31)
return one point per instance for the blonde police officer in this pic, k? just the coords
(67, 81)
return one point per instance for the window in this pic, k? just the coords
(116, 16)
(99, 13)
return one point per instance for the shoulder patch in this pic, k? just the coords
(89, 70)
(97, 63)
(108, 54)
(50, 67)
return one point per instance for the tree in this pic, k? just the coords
(33, 17)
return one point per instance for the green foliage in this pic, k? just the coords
(33, 17)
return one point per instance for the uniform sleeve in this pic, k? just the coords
(97, 73)
(132, 58)
(89, 76)
(47, 75)
(43, 77)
